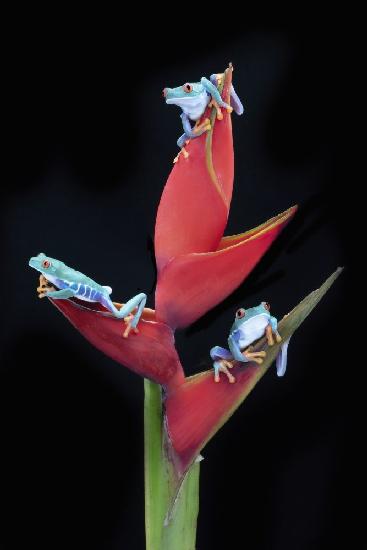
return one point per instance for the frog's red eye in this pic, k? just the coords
(266, 305)
(240, 313)
(46, 264)
(187, 88)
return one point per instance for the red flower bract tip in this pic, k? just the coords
(198, 282)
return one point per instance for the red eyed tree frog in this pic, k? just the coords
(249, 325)
(193, 98)
(68, 283)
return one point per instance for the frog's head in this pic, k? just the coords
(243, 315)
(183, 95)
(46, 265)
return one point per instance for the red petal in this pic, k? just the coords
(193, 210)
(200, 281)
(150, 353)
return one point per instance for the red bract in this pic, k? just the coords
(193, 210)
(198, 408)
(150, 353)
(192, 284)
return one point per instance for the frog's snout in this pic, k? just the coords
(165, 92)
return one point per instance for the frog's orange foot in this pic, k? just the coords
(213, 103)
(204, 126)
(183, 152)
(256, 356)
(269, 335)
(44, 287)
(128, 320)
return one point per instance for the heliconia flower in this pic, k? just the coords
(150, 353)
(197, 266)
(197, 269)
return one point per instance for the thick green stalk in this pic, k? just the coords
(170, 516)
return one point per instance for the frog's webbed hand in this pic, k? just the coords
(44, 287)
(196, 131)
(236, 104)
(181, 142)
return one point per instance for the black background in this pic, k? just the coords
(91, 145)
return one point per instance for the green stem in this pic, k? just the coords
(179, 531)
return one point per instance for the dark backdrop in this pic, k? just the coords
(91, 145)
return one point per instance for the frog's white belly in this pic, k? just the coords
(252, 330)
(193, 107)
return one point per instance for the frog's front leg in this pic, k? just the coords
(243, 356)
(62, 294)
(181, 142)
(190, 133)
(44, 287)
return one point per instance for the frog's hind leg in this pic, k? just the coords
(236, 104)
(201, 127)
(181, 142)
(256, 356)
(126, 311)
(269, 335)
